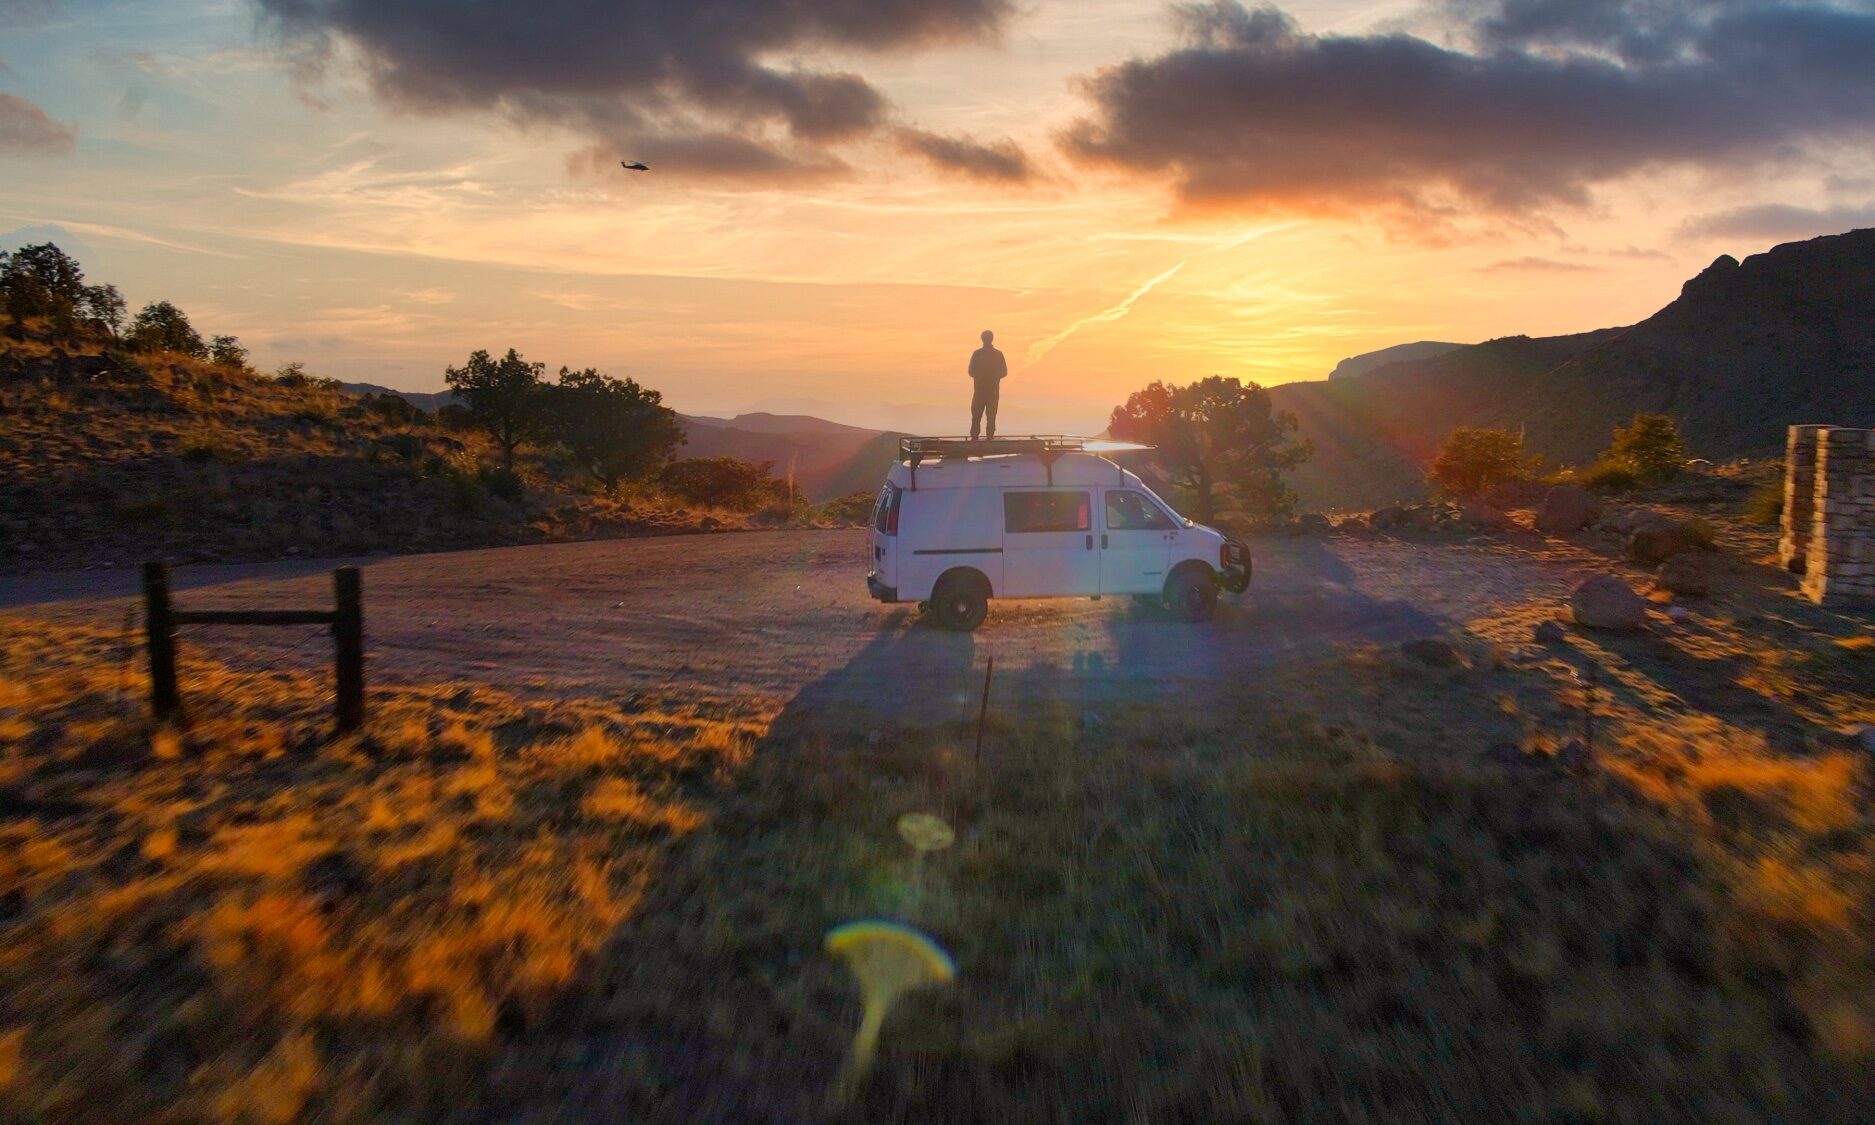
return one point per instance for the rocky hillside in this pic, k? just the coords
(109, 458)
(1747, 349)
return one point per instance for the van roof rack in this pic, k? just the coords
(1047, 447)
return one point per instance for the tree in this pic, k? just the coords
(1650, 445)
(42, 281)
(504, 397)
(614, 428)
(1474, 461)
(226, 351)
(162, 327)
(1216, 436)
(103, 310)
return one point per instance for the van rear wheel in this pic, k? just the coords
(1191, 595)
(960, 603)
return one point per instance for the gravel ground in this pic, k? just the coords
(784, 616)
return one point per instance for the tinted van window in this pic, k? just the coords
(1047, 511)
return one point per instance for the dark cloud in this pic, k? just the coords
(25, 128)
(1545, 100)
(622, 70)
(1001, 161)
(1779, 220)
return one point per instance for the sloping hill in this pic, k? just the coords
(1746, 350)
(828, 460)
(1398, 353)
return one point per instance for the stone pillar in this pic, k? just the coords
(1841, 561)
(1793, 545)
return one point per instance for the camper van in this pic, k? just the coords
(959, 522)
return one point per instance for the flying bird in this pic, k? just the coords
(634, 166)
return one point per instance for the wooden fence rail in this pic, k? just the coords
(347, 620)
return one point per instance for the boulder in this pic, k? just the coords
(1653, 545)
(1606, 602)
(1567, 508)
(1383, 519)
(1630, 520)
(1434, 652)
(1485, 516)
(1314, 523)
(1548, 633)
(1421, 517)
(1688, 575)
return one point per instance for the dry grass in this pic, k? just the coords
(1358, 890)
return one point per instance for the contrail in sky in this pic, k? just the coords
(1042, 347)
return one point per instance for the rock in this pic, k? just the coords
(1677, 613)
(709, 523)
(1864, 736)
(1483, 515)
(1567, 508)
(1314, 523)
(1630, 520)
(1548, 633)
(1688, 575)
(1382, 519)
(1420, 517)
(1651, 546)
(1606, 602)
(1434, 652)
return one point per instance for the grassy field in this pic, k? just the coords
(1363, 889)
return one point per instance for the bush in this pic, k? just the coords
(501, 482)
(202, 447)
(1611, 476)
(1650, 445)
(1765, 505)
(1473, 461)
(723, 482)
(847, 510)
(162, 327)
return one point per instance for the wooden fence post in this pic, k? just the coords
(348, 638)
(160, 625)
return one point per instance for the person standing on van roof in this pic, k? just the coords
(987, 371)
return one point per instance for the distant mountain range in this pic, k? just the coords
(828, 459)
(1747, 349)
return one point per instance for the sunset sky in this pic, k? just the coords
(843, 194)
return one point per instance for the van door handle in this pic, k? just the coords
(1103, 542)
(1090, 542)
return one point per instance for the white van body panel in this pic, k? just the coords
(1081, 527)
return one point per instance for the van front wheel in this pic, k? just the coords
(960, 603)
(1191, 595)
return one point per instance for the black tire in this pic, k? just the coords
(960, 603)
(1191, 595)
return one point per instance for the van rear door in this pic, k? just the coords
(883, 539)
(1048, 543)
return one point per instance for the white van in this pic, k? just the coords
(960, 522)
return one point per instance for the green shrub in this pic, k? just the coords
(1473, 461)
(1650, 445)
(1611, 476)
(723, 482)
(500, 482)
(1765, 505)
(854, 509)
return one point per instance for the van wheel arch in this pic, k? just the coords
(1191, 591)
(960, 598)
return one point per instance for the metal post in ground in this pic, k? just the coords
(160, 626)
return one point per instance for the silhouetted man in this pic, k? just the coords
(987, 371)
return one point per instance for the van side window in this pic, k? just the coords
(1131, 511)
(1047, 511)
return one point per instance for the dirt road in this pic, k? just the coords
(784, 616)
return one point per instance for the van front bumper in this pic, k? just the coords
(880, 590)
